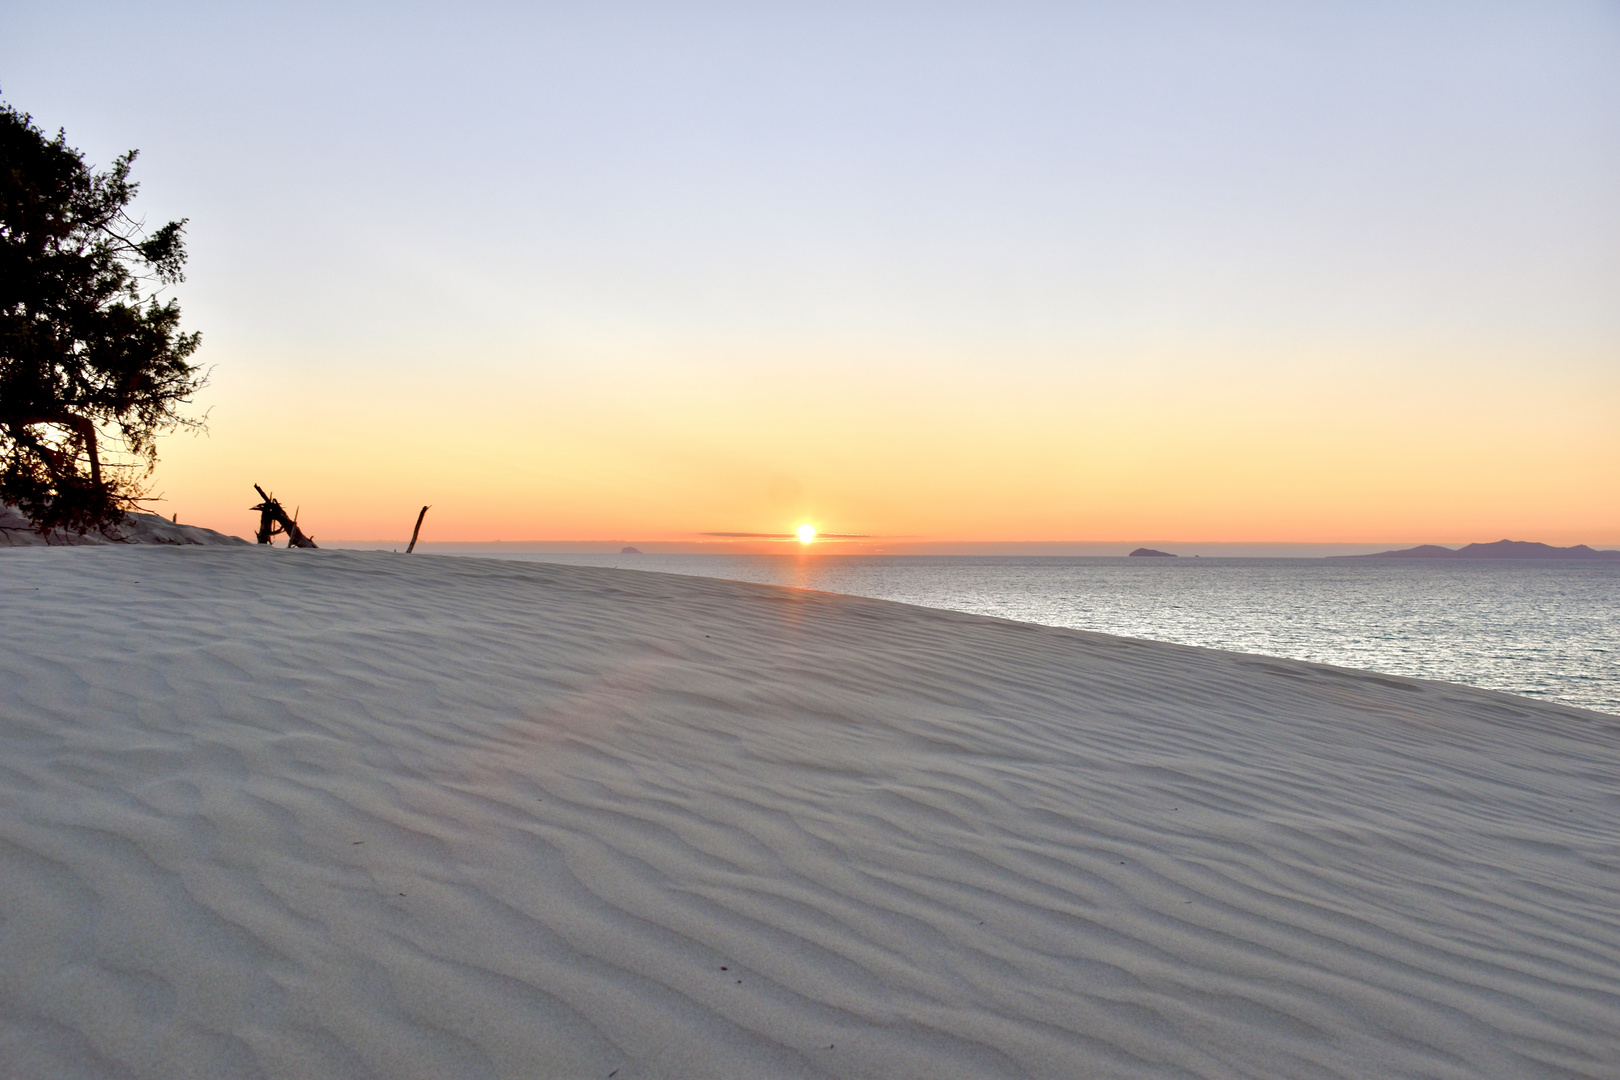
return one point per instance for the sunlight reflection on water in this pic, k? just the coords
(1545, 629)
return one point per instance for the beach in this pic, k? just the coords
(269, 813)
(1486, 623)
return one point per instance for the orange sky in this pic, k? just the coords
(1263, 444)
(1056, 272)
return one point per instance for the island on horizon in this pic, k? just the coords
(1501, 549)
(1149, 552)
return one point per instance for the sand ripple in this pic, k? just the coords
(333, 814)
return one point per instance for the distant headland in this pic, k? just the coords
(1153, 554)
(1502, 549)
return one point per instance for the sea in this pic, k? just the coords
(1548, 630)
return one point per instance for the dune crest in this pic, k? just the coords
(17, 531)
(270, 813)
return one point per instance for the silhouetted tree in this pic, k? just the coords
(92, 366)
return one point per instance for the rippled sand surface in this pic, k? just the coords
(333, 814)
(1547, 629)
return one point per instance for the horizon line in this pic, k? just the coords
(919, 541)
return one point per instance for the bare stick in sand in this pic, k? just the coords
(416, 531)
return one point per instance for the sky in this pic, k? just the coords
(1214, 272)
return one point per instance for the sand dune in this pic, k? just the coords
(17, 531)
(332, 814)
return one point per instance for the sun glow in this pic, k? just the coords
(806, 533)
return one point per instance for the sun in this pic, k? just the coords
(805, 533)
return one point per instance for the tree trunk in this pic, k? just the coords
(80, 426)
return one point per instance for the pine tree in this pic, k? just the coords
(93, 364)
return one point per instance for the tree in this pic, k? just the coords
(92, 365)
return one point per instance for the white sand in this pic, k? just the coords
(338, 814)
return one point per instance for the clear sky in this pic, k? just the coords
(996, 271)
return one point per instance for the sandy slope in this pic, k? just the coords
(312, 814)
(17, 531)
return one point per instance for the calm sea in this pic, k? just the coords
(1544, 629)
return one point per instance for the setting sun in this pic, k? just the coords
(806, 533)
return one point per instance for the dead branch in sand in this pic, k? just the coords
(416, 531)
(273, 522)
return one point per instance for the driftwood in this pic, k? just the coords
(416, 531)
(273, 522)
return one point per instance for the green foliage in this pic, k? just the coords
(92, 365)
